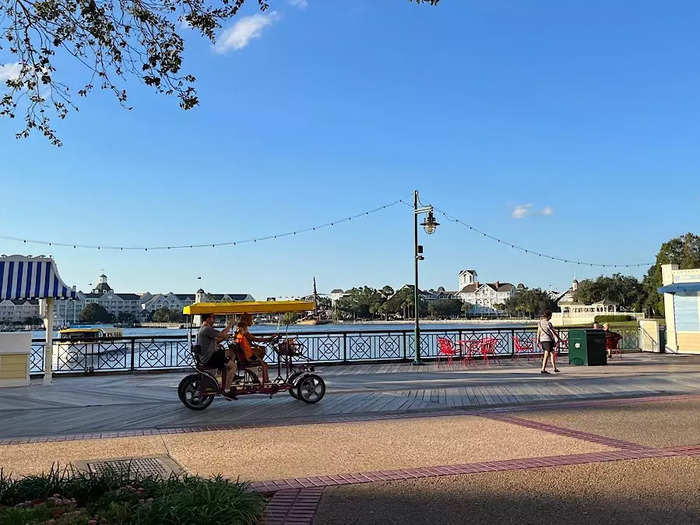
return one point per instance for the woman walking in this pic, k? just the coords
(547, 338)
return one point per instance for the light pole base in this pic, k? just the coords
(417, 362)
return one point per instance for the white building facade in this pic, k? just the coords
(171, 301)
(114, 303)
(484, 297)
(336, 294)
(572, 313)
(136, 305)
(14, 311)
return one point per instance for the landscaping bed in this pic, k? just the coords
(119, 496)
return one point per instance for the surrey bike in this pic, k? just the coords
(295, 374)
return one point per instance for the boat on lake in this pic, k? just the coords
(313, 321)
(316, 317)
(84, 335)
(76, 342)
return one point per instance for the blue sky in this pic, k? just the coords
(494, 110)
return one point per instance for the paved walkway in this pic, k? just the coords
(397, 444)
(143, 404)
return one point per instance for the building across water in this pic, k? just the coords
(123, 306)
(573, 313)
(484, 297)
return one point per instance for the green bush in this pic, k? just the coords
(616, 318)
(123, 497)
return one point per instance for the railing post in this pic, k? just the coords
(512, 343)
(459, 338)
(345, 347)
(133, 344)
(404, 344)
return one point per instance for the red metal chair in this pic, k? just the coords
(467, 347)
(612, 343)
(520, 348)
(488, 347)
(445, 349)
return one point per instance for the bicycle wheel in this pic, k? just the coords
(311, 388)
(189, 393)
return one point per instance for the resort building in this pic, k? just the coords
(114, 303)
(336, 294)
(136, 305)
(171, 301)
(574, 313)
(485, 297)
(440, 293)
(568, 305)
(205, 297)
(18, 310)
(177, 301)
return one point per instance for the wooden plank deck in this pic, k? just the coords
(131, 402)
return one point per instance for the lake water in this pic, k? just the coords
(345, 327)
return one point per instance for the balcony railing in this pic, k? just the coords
(131, 354)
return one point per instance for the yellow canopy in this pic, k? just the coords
(249, 307)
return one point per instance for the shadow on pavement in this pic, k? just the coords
(642, 491)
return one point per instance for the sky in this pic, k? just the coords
(567, 127)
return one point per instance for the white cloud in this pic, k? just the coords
(243, 31)
(525, 210)
(301, 4)
(9, 71)
(521, 210)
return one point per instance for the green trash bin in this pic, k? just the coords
(587, 347)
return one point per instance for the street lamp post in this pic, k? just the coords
(429, 224)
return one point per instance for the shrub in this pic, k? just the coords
(617, 318)
(124, 497)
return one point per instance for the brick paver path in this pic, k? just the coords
(296, 500)
(128, 405)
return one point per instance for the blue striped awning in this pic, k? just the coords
(24, 277)
(680, 288)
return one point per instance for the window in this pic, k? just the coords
(687, 312)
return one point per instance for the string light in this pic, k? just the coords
(534, 252)
(213, 245)
(447, 216)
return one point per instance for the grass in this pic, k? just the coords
(119, 496)
(630, 324)
(612, 326)
(623, 324)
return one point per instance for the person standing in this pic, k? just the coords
(547, 339)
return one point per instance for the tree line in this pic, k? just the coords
(642, 296)
(365, 302)
(628, 292)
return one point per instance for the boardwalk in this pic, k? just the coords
(142, 403)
